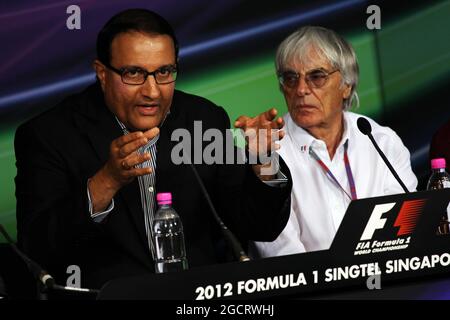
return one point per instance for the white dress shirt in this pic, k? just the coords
(317, 203)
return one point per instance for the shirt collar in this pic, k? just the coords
(304, 140)
(126, 131)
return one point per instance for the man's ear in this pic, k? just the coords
(347, 91)
(100, 71)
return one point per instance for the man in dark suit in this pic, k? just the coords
(88, 170)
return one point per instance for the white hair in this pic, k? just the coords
(328, 44)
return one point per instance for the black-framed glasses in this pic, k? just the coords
(315, 78)
(137, 76)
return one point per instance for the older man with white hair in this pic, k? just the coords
(331, 161)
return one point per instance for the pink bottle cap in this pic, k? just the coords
(438, 163)
(164, 198)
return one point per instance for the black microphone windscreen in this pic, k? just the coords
(364, 126)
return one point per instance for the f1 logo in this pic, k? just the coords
(406, 219)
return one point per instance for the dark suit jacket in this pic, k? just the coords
(59, 150)
(440, 144)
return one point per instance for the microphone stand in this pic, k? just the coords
(366, 129)
(387, 163)
(229, 236)
(231, 239)
(45, 282)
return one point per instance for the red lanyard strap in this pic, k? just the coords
(348, 170)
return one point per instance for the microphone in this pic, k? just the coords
(229, 236)
(366, 129)
(42, 276)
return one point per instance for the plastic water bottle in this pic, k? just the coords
(169, 237)
(440, 179)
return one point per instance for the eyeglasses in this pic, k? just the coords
(315, 78)
(137, 76)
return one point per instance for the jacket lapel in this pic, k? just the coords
(101, 128)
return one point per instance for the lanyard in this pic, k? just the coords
(348, 170)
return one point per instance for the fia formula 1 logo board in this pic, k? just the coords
(383, 224)
(406, 221)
